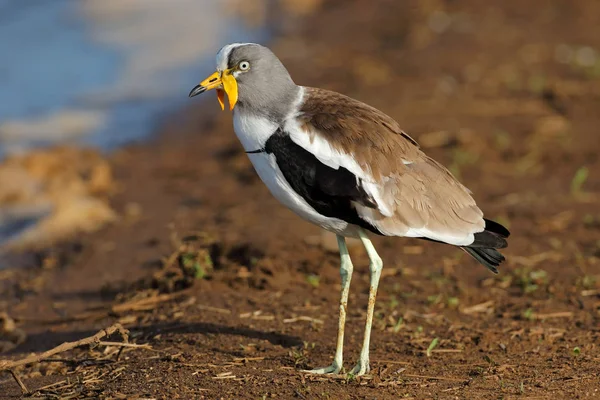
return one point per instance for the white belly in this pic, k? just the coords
(268, 171)
(253, 133)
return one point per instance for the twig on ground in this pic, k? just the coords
(214, 309)
(486, 307)
(302, 318)
(257, 315)
(391, 362)
(247, 359)
(145, 346)
(148, 303)
(19, 382)
(91, 340)
(560, 314)
(439, 378)
(444, 351)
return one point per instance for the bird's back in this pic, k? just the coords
(412, 194)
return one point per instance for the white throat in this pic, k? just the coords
(254, 130)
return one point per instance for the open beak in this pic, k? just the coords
(224, 82)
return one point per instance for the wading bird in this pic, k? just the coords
(346, 167)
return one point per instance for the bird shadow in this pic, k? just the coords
(275, 338)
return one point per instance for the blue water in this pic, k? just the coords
(48, 58)
(52, 62)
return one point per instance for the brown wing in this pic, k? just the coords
(415, 195)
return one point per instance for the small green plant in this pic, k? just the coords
(432, 346)
(579, 179)
(398, 325)
(530, 280)
(434, 299)
(576, 351)
(300, 354)
(453, 302)
(489, 360)
(528, 314)
(313, 280)
(200, 264)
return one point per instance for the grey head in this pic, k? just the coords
(264, 85)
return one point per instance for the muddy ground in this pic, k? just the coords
(234, 295)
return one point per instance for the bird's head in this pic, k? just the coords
(250, 75)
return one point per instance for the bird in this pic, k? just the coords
(348, 168)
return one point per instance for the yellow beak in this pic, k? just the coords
(222, 81)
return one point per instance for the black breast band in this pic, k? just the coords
(329, 191)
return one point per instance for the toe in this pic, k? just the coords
(360, 369)
(332, 369)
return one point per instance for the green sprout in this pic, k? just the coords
(432, 346)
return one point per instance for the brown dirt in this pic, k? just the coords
(488, 97)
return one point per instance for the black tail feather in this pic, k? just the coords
(496, 228)
(494, 236)
(490, 258)
(483, 248)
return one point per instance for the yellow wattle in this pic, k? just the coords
(230, 86)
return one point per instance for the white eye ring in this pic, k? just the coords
(244, 66)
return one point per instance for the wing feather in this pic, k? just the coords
(413, 195)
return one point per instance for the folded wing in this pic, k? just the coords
(397, 190)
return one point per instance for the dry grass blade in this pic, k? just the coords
(479, 308)
(257, 315)
(444, 351)
(247, 359)
(561, 314)
(438, 378)
(119, 344)
(302, 318)
(391, 362)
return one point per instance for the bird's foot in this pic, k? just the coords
(332, 369)
(362, 367)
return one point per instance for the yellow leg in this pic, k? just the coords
(346, 269)
(375, 267)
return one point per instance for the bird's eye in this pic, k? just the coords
(244, 66)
